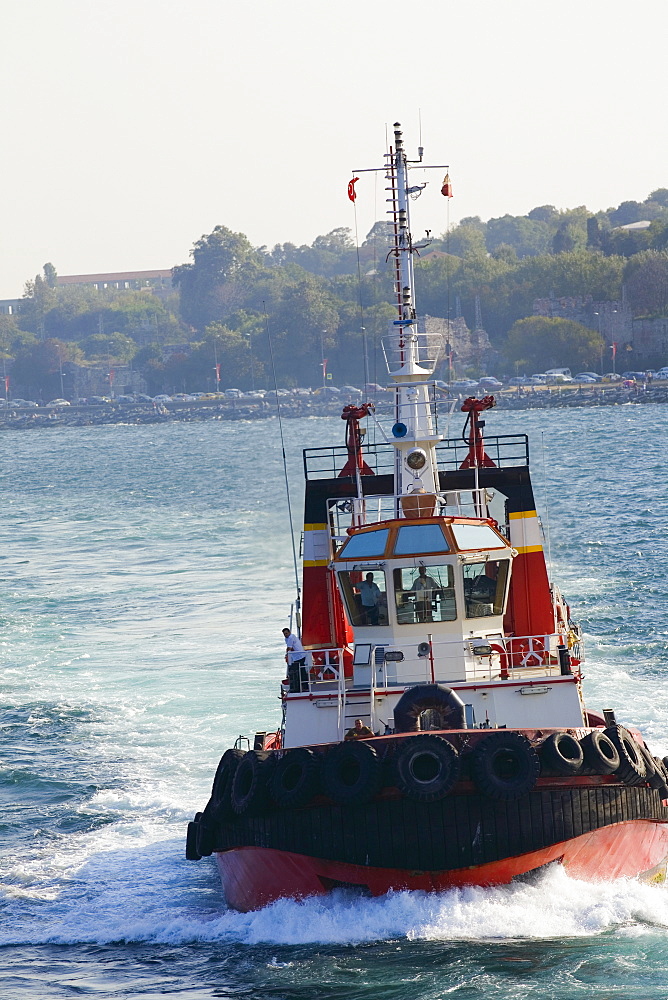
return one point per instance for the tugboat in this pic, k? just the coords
(437, 734)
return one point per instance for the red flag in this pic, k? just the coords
(352, 193)
(613, 348)
(446, 189)
(6, 384)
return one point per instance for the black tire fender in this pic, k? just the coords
(220, 802)
(504, 766)
(296, 778)
(653, 776)
(428, 697)
(427, 767)
(632, 768)
(600, 753)
(351, 772)
(192, 854)
(250, 786)
(562, 753)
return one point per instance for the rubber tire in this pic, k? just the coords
(352, 772)
(220, 802)
(427, 768)
(296, 778)
(424, 697)
(632, 769)
(653, 776)
(663, 771)
(192, 854)
(600, 753)
(250, 786)
(562, 753)
(504, 766)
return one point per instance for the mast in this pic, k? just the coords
(411, 357)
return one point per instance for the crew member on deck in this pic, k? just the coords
(359, 731)
(295, 658)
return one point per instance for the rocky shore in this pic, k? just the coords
(239, 409)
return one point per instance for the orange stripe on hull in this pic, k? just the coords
(252, 877)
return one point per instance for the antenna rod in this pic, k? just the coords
(285, 473)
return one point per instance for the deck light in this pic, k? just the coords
(416, 458)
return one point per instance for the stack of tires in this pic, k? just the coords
(425, 768)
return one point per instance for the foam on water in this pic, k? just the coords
(146, 896)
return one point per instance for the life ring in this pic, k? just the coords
(632, 768)
(351, 773)
(504, 766)
(429, 697)
(427, 768)
(527, 652)
(220, 803)
(562, 753)
(600, 753)
(496, 647)
(295, 779)
(249, 793)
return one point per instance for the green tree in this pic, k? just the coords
(646, 280)
(217, 281)
(39, 366)
(113, 347)
(540, 343)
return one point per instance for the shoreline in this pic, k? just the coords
(234, 409)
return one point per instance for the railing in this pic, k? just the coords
(373, 509)
(505, 450)
(423, 348)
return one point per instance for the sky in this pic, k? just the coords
(133, 128)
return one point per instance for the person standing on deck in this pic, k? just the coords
(295, 658)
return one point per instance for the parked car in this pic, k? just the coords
(489, 382)
(162, 398)
(123, 398)
(611, 377)
(463, 383)
(58, 402)
(587, 376)
(373, 387)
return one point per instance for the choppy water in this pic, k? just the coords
(145, 575)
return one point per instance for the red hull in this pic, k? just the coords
(255, 876)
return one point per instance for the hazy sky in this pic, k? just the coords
(132, 128)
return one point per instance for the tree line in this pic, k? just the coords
(291, 310)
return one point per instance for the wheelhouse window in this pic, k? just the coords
(485, 587)
(476, 536)
(366, 545)
(425, 594)
(416, 539)
(365, 595)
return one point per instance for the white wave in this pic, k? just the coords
(171, 906)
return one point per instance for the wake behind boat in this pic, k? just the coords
(437, 734)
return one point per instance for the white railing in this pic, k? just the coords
(405, 345)
(360, 511)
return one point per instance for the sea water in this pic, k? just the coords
(146, 575)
